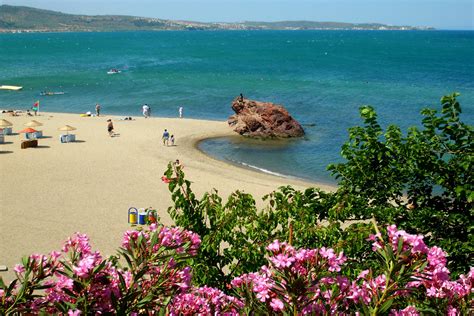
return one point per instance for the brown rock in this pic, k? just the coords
(263, 120)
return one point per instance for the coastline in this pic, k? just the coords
(50, 192)
(242, 165)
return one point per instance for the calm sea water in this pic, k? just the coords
(322, 77)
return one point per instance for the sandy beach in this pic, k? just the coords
(50, 192)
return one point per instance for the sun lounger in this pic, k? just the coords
(2, 139)
(29, 143)
(7, 131)
(34, 135)
(68, 138)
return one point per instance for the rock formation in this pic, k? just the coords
(263, 120)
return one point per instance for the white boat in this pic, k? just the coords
(51, 93)
(14, 88)
(113, 71)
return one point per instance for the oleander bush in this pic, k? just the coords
(234, 233)
(412, 278)
(422, 181)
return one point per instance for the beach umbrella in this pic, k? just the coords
(33, 123)
(28, 130)
(5, 123)
(67, 129)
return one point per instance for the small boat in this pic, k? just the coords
(14, 88)
(113, 71)
(51, 93)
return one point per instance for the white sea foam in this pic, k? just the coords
(262, 169)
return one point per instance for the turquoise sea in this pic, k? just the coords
(321, 77)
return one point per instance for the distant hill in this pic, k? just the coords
(26, 19)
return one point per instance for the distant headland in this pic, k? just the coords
(17, 19)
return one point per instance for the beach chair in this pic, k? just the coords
(29, 143)
(71, 138)
(68, 138)
(7, 131)
(2, 138)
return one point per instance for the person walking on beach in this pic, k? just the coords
(110, 128)
(165, 137)
(180, 111)
(146, 110)
(97, 109)
(172, 140)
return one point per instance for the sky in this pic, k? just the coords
(441, 14)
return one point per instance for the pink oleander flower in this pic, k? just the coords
(64, 282)
(363, 274)
(74, 312)
(128, 236)
(19, 268)
(165, 179)
(452, 311)
(185, 276)
(54, 255)
(376, 245)
(436, 257)
(85, 266)
(277, 305)
(282, 260)
(274, 246)
(333, 260)
(408, 311)
(79, 243)
(262, 286)
(189, 304)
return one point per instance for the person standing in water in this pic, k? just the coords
(146, 110)
(97, 109)
(180, 111)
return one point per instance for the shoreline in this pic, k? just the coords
(241, 165)
(57, 189)
(245, 166)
